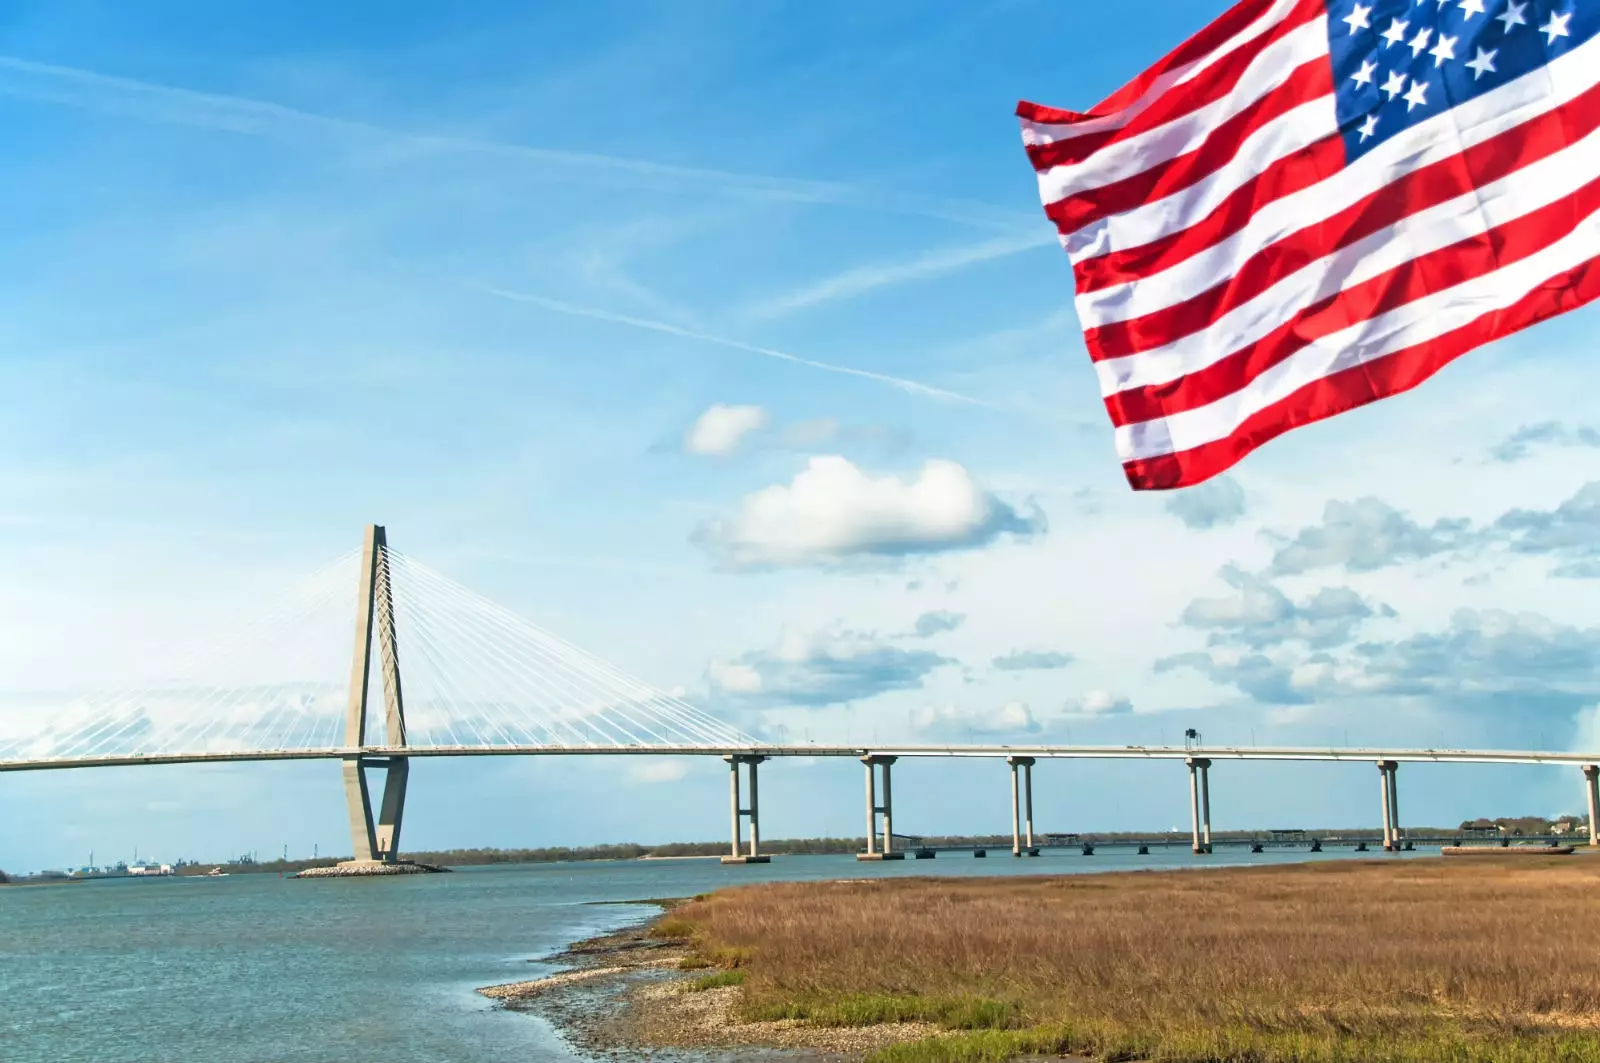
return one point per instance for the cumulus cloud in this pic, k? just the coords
(822, 668)
(1482, 654)
(1029, 660)
(1366, 535)
(1520, 443)
(951, 721)
(938, 622)
(1570, 533)
(721, 429)
(833, 512)
(1259, 614)
(1098, 703)
(1215, 503)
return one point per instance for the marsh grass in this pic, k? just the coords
(718, 980)
(1414, 961)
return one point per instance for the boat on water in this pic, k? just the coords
(215, 872)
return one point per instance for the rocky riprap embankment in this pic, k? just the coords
(364, 869)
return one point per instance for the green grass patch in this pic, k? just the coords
(870, 1009)
(1243, 1044)
(673, 928)
(694, 963)
(718, 980)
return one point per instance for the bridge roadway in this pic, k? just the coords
(1270, 753)
(376, 838)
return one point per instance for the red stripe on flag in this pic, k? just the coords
(1232, 22)
(1364, 384)
(1437, 183)
(1417, 277)
(1212, 84)
(1311, 80)
(1288, 175)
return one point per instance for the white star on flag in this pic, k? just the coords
(1363, 77)
(1369, 128)
(1482, 63)
(1556, 27)
(1512, 15)
(1445, 49)
(1471, 7)
(1420, 41)
(1416, 95)
(1357, 19)
(1395, 33)
(1395, 85)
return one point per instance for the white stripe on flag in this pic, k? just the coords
(1416, 322)
(1049, 132)
(1471, 214)
(1563, 80)
(1140, 152)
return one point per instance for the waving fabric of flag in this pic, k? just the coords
(1314, 204)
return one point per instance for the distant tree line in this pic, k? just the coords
(1528, 825)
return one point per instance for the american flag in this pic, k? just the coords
(1311, 205)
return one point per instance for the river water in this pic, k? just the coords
(257, 968)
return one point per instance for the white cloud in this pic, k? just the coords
(825, 667)
(721, 429)
(735, 678)
(1099, 703)
(659, 770)
(833, 511)
(953, 721)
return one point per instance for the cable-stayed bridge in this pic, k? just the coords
(478, 680)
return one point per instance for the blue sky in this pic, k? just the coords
(632, 318)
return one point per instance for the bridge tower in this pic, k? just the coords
(375, 841)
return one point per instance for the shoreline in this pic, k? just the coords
(640, 989)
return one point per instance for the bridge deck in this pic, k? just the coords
(1265, 753)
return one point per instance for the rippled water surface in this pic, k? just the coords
(259, 968)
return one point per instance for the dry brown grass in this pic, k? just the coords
(1404, 960)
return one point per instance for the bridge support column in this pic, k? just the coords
(1200, 804)
(1391, 806)
(1591, 784)
(736, 853)
(375, 841)
(874, 808)
(1022, 806)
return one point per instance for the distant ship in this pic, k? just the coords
(215, 872)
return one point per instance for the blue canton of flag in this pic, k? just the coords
(1311, 205)
(1400, 62)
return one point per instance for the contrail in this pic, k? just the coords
(913, 386)
(170, 104)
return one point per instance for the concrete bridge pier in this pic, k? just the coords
(873, 763)
(736, 851)
(375, 841)
(1200, 803)
(1591, 784)
(1387, 770)
(1022, 806)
